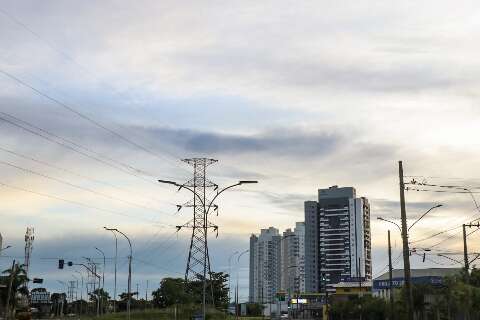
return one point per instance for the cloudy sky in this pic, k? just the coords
(99, 99)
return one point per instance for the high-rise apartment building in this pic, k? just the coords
(337, 239)
(265, 266)
(293, 259)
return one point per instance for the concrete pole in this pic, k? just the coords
(406, 251)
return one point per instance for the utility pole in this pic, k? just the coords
(129, 269)
(465, 253)
(390, 276)
(9, 292)
(465, 257)
(406, 251)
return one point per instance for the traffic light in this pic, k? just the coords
(37, 280)
(69, 263)
(61, 262)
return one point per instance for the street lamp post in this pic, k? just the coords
(81, 290)
(414, 223)
(103, 277)
(64, 288)
(206, 211)
(129, 269)
(404, 231)
(230, 273)
(115, 271)
(236, 302)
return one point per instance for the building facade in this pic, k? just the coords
(265, 266)
(337, 239)
(293, 259)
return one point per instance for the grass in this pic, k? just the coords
(183, 313)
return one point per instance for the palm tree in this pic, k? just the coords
(19, 280)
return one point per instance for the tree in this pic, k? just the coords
(367, 307)
(177, 291)
(19, 282)
(217, 284)
(171, 291)
(254, 309)
(104, 297)
(122, 304)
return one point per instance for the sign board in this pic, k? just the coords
(399, 282)
(299, 301)
(40, 297)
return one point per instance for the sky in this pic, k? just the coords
(98, 100)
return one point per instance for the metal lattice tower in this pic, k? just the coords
(198, 263)
(28, 248)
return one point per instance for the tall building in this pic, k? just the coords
(337, 239)
(293, 259)
(265, 265)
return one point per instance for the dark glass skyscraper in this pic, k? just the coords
(337, 239)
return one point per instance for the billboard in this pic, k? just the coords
(40, 297)
(399, 282)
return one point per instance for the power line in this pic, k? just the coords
(77, 203)
(78, 187)
(156, 266)
(70, 142)
(48, 136)
(437, 191)
(443, 178)
(83, 176)
(449, 238)
(89, 72)
(83, 116)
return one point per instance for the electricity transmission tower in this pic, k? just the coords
(198, 263)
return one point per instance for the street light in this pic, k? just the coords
(206, 210)
(238, 261)
(81, 289)
(420, 218)
(129, 269)
(115, 286)
(396, 224)
(103, 276)
(230, 274)
(423, 215)
(103, 271)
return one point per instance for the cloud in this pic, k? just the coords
(290, 202)
(281, 141)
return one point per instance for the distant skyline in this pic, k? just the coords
(298, 95)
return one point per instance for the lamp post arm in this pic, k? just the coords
(129, 243)
(91, 270)
(218, 193)
(455, 260)
(241, 254)
(183, 186)
(423, 215)
(478, 256)
(396, 224)
(473, 198)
